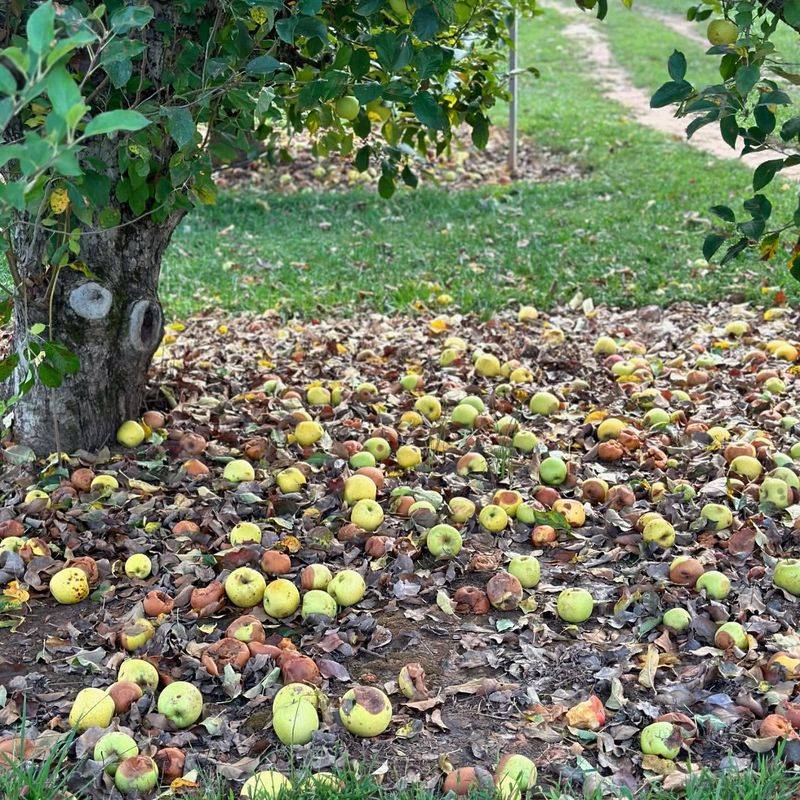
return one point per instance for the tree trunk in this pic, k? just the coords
(111, 319)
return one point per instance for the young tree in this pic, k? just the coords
(114, 117)
(752, 107)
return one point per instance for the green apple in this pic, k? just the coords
(315, 576)
(525, 441)
(411, 382)
(493, 518)
(474, 401)
(605, 346)
(359, 487)
(787, 575)
(290, 480)
(308, 432)
(785, 474)
(245, 533)
(659, 532)
(443, 541)
(112, 747)
(526, 514)
(365, 711)
(746, 466)
(575, 605)
(461, 509)
(731, 634)
(91, 708)
(130, 434)
(429, 406)
(464, 415)
(716, 585)
(295, 723)
(471, 462)
(245, 587)
(181, 703)
(367, 515)
(265, 785)
(720, 515)
(136, 775)
(677, 619)
(656, 418)
(362, 459)
(347, 107)
(487, 365)
(775, 492)
(379, 447)
(553, 471)
(138, 566)
(526, 569)
(140, 672)
(294, 693)
(136, 634)
(775, 385)
(519, 769)
(660, 739)
(238, 471)
(408, 456)
(318, 603)
(545, 403)
(347, 587)
(281, 598)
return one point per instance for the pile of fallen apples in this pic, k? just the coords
(490, 414)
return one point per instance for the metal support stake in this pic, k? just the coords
(513, 100)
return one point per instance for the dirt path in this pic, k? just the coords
(618, 86)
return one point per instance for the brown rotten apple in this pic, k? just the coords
(504, 591)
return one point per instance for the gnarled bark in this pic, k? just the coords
(112, 321)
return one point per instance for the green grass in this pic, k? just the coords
(627, 234)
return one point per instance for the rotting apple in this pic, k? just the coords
(471, 462)
(112, 747)
(659, 532)
(467, 780)
(69, 585)
(731, 634)
(660, 739)
(315, 576)
(408, 456)
(461, 509)
(136, 775)
(504, 591)
(136, 634)
(429, 406)
(588, 715)
(365, 711)
(718, 514)
(685, 570)
(290, 480)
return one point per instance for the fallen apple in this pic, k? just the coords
(553, 471)
(136, 775)
(265, 785)
(181, 703)
(136, 634)
(347, 587)
(493, 518)
(487, 365)
(138, 566)
(718, 514)
(525, 441)
(589, 715)
(574, 605)
(245, 587)
(715, 584)
(731, 634)
(604, 346)
(367, 515)
(660, 739)
(359, 487)
(238, 471)
(685, 570)
(365, 711)
(746, 466)
(544, 403)
(471, 462)
(467, 780)
(245, 533)
(318, 603)
(429, 406)
(281, 598)
(443, 541)
(677, 619)
(572, 511)
(69, 585)
(295, 723)
(91, 708)
(140, 672)
(786, 575)
(464, 415)
(775, 492)
(112, 747)
(290, 480)
(659, 532)
(408, 456)
(308, 432)
(315, 576)
(517, 768)
(526, 569)
(379, 447)
(130, 433)
(504, 591)
(461, 509)
(361, 460)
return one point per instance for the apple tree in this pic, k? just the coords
(752, 107)
(114, 117)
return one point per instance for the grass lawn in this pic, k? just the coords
(628, 233)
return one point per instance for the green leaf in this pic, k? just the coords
(747, 77)
(263, 65)
(49, 375)
(130, 17)
(63, 92)
(765, 172)
(428, 112)
(723, 212)
(676, 66)
(111, 121)
(7, 83)
(37, 328)
(180, 125)
(712, 243)
(40, 28)
(671, 92)
(791, 12)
